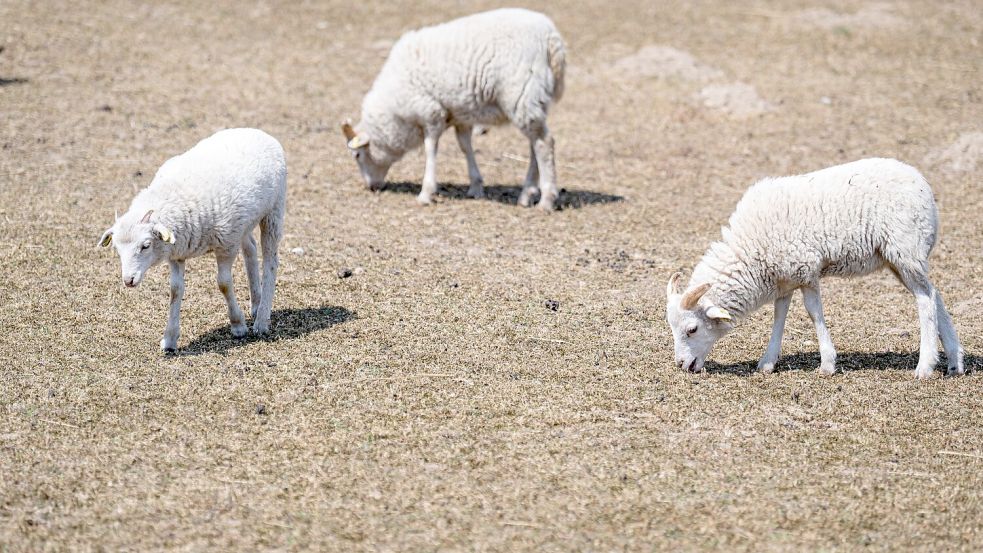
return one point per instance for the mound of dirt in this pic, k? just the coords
(965, 154)
(875, 16)
(655, 61)
(738, 100)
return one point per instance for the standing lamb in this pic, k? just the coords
(209, 199)
(485, 69)
(788, 232)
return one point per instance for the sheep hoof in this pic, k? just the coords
(525, 197)
(261, 328)
(956, 368)
(168, 347)
(424, 199)
(238, 330)
(924, 373)
(766, 368)
(476, 192)
(545, 206)
(827, 368)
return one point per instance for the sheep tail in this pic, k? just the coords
(556, 53)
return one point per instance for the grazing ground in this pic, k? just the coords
(433, 400)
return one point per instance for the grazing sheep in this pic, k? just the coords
(788, 232)
(485, 69)
(209, 199)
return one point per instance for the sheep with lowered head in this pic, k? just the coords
(486, 69)
(209, 199)
(787, 232)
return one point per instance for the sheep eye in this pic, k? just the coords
(358, 155)
(691, 330)
(145, 245)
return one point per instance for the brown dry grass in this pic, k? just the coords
(432, 401)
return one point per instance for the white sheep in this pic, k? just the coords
(490, 68)
(209, 199)
(788, 232)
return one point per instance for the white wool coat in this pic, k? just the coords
(212, 195)
(490, 68)
(846, 220)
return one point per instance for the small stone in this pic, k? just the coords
(359, 270)
(552, 305)
(105, 107)
(297, 251)
(344, 273)
(260, 409)
(826, 101)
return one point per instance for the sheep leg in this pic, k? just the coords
(251, 262)
(224, 278)
(429, 188)
(173, 329)
(543, 147)
(271, 231)
(477, 188)
(925, 298)
(950, 341)
(928, 351)
(814, 306)
(768, 360)
(531, 184)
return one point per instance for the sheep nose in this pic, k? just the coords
(128, 281)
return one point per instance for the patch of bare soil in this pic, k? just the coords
(665, 62)
(737, 100)
(874, 16)
(963, 155)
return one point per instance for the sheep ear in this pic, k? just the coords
(358, 142)
(691, 297)
(717, 313)
(146, 218)
(347, 130)
(164, 233)
(107, 239)
(674, 288)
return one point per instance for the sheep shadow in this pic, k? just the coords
(845, 361)
(285, 324)
(505, 194)
(13, 80)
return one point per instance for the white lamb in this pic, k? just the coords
(788, 232)
(485, 69)
(209, 199)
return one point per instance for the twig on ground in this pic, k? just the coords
(61, 423)
(522, 524)
(547, 340)
(400, 377)
(961, 454)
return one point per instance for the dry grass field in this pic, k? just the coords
(432, 401)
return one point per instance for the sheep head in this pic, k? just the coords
(373, 171)
(141, 244)
(696, 323)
